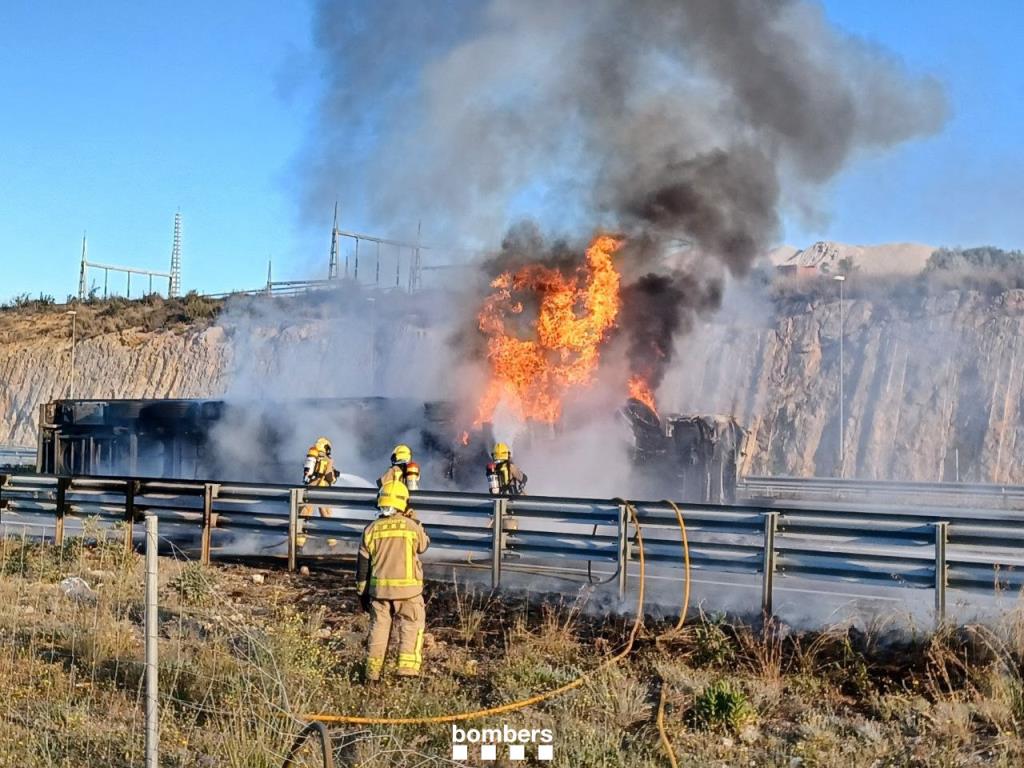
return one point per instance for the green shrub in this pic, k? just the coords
(195, 584)
(713, 645)
(721, 706)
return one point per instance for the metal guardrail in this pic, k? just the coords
(837, 489)
(926, 549)
(16, 456)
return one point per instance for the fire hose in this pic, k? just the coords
(547, 695)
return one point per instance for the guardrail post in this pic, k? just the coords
(131, 488)
(497, 541)
(771, 524)
(3, 504)
(623, 550)
(941, 538)
(58, 528)
(293, 527)
(210, 491)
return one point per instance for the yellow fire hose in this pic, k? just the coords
(571, 685)
(662, 734)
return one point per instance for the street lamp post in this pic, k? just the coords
(71, 384)
(841, 279)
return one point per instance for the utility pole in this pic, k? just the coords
(415, 265)
(332, 266)
(82, 269)
(841, 279)
(174, 284)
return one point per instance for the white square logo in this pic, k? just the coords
(489, 739)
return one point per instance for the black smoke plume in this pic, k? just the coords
(667, 120)
(655, 310)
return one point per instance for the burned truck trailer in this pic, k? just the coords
(684, 457)
(255, 441)
(693, 458)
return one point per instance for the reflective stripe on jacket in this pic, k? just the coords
(389, 564)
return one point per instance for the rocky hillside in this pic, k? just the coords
(932, 386)
(932, 380)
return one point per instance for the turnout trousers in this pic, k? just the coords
(411, 617)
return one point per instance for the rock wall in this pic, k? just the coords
(932, 386)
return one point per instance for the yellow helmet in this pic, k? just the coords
(393, 494)
(323, 445)
(501, 452)
(402, 454)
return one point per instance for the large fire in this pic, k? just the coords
(561, 350)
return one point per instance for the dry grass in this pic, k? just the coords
(35, 320)
(239, 661)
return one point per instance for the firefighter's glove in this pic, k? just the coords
(364, 601)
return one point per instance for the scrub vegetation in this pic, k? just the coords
(27, 318)
(242, 657)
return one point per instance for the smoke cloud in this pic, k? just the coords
(666, 120)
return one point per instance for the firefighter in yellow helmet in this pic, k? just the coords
(503, 477)
(318, 472)
(389, 581)
(402, 468)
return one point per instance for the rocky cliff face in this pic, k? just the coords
(129, 364)
(932, 386)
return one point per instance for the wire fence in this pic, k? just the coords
(240, 651)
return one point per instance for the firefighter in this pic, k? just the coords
(318, 472)
(389, 581)
(504, 477)
(402, 468)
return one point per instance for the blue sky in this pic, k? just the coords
(113, 115)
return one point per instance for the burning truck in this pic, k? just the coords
(683, 457)
(564, 336)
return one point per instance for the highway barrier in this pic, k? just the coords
(926, 547)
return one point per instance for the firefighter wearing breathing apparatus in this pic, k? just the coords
(389, 581)
(402, 468)
(317, 472)
(503, 477)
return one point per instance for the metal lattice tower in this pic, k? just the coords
(332, 266)
(174, 287)
(81, 271)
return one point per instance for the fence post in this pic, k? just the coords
(623, 550)
(497, 541)
(771, 523)
(293, 527)
(152, 703)
(941, 538)
(210, 492)
(129, 515)
(58, 528)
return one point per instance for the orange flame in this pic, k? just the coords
(464, 438)
(640, 390)
(574, 315)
